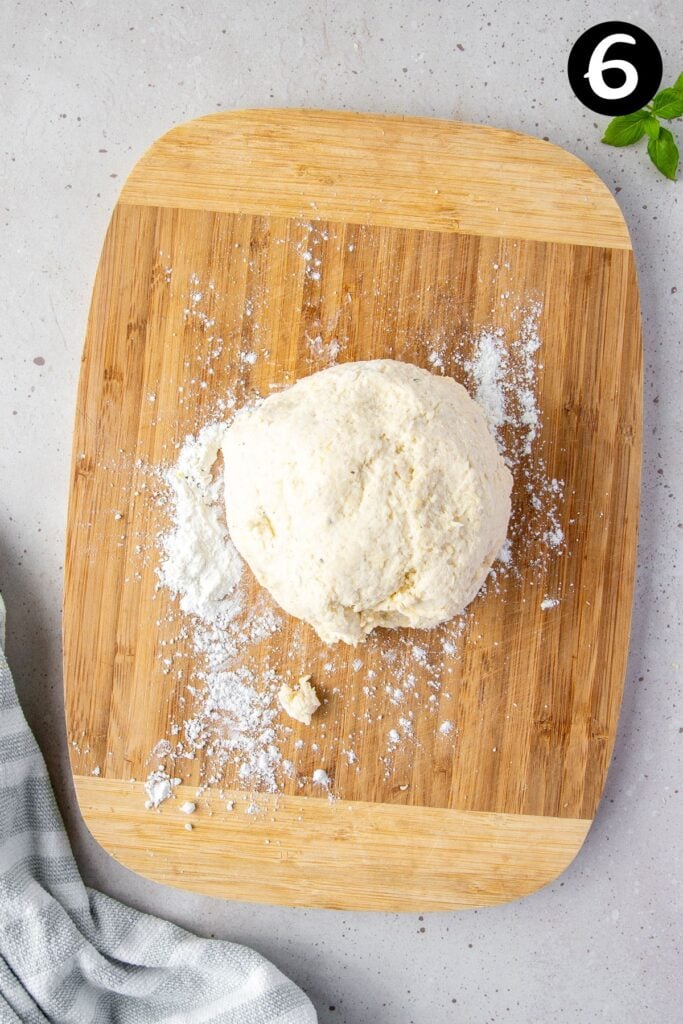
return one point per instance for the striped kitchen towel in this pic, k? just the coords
(70, 955)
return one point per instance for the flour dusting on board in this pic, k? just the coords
(502, 375)
(229, 714)
(199, 563)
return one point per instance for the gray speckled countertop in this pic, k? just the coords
(86, 87)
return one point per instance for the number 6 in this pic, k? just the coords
(598, 65)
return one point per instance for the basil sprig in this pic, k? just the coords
(661, 145)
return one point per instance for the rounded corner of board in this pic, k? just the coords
(176, 134)
(573, 164)
(602, 187)
(512, 878)
(552, 156)
(571, 852)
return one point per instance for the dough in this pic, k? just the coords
(301, 701)
(369, 494)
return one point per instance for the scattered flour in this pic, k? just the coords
(200, 563)
(502, 372)
(233, 718)
(159, 787)
(488, 367)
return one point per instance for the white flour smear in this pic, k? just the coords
(200, 563)
(504, 375)
(501, 373)
(234, 718)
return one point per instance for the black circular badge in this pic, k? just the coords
(615, 68)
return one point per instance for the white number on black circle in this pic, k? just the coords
(598, 65)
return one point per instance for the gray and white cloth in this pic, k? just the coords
(71, 955)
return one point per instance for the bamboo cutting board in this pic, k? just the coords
(407, 219)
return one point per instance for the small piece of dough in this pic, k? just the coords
(300, 702)
(368, 494)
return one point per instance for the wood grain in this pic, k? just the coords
(393, 171)
(296, 848)
(535, 695)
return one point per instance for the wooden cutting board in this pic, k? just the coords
(423, 230)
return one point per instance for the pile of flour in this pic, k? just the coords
(200, 564)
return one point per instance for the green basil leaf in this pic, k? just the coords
(678, 84)
(652, 127)
(663, 152)
(626, 129)
(668, 104)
